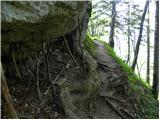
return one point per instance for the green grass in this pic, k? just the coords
(149, 106)
(133, 78)
(89, 45)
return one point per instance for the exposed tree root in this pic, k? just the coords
(48, 70)
(119, 77)
(57, 77)
(120, 109)
(80, 45)
(14, 61)
(37, 77)
(44, 60)
(107, 68)
(113, 98)
(126, 112)
(115, 109)
(73, 57)
(100, 64)
(5, 93)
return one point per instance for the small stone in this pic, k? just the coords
(59, 58)
(77, 67)
(67, 66)
(26, 105)
(15, 100)
(55, 114)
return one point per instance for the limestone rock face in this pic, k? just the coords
(34, 22)
(26, 29)
(51, 18)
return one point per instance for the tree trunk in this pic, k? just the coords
(155, 89)
(7, 97)
(138, 70)
(112, 26)
(140, 36)
(128, 58)
(148, 50)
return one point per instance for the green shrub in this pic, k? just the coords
(89, 45)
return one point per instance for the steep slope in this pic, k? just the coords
(51, 75)
(126, 93)
(114, 86)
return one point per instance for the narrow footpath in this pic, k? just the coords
(111, 96)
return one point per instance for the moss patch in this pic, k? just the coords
(89, 45)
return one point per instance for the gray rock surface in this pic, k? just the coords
(32, 18)
(32, 23)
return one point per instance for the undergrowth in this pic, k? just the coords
(149, 106)
(89, 45)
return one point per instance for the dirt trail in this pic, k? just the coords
(108, 71)
(103, 57)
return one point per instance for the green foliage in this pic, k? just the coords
(99, 20)
(89, 45)
(149, 106)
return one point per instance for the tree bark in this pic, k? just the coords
(112, 26)
(7, 97)
(140, 36)
(148, 50)
(128, 58)
(155, 87)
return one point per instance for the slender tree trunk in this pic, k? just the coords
(133, 41)
(156, 54)
(148, 50)
(7, 97)
(112, 26)
(92, 29)
(138, 70)
(128, 58)
(140, 36)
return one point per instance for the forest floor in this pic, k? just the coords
(113, 100)
(24, 91)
